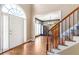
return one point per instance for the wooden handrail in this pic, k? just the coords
(64, 18)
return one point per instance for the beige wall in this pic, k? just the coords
(28, 10)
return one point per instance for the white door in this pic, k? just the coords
(16, 31)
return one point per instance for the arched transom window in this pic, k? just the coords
(13, 9)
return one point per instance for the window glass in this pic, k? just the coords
(13, 9)
(38, 28)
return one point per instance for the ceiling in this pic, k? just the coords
(50, 16)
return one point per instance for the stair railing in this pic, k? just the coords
(61, 31)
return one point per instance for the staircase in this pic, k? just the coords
(62, 32)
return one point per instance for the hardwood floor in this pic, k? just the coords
(32, 48)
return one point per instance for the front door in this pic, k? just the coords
(16, 31)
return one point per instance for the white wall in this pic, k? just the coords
(28, 11)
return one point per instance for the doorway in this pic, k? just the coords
(13, 31)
